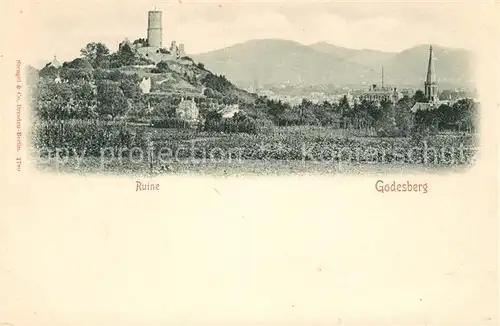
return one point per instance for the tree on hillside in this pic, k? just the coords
(78, 63)
(164, 107)
(274, 108)
(130, 89)
(126, 53)
(212, 119)
(327, 113)
(125, 56)
(447, 117)
(161, 67)
(74, 75)
(461, 116)
(428, 120)
(345, 108)
(110, 99)
(77, 69)
(321, 112)
(84, 100)
(306, 113)
(375, 111)
(366, 114)
(466, 114)
(218, 83)
(95, 53)
(419, 97)
(403, 115)
(54, 101)
(386, 124)
(289, 117)
(49, 72)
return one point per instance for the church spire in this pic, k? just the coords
(382, 77)
(431, 71)
(431, 85)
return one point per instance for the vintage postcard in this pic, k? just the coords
(249, 163)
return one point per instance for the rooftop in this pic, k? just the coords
(428, 106)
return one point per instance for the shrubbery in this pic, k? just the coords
(218, 83)
(170, 123)
(161, 67)
(75, 137)
(310, 147)
(239, 123)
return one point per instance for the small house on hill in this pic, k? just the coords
(188, 110)
(54, 63)
(145, 85)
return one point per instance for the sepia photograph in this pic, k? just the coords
(249, 163)
(253, 88)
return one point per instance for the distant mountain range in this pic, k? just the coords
(277, 62)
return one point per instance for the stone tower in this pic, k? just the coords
(431, 84)
(155, 33)
(182, 51)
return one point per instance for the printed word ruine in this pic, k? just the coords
(146, 186)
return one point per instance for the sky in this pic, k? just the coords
(63, 27)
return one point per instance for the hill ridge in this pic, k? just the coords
(276, 61)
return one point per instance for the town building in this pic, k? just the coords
(188, 110)
(379, 94)
(382, 93)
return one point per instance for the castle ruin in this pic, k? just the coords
(154, 49)
(155, 31)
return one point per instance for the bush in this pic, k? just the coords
(75, 74)
(264, 125)
(239, 123)
(78, 63)
(162, 66)
(142, 41)
(170, 123)
(88, 137)
(48, 72)
(217, 83)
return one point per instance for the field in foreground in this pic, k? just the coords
(235, 168)
(127, 149)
